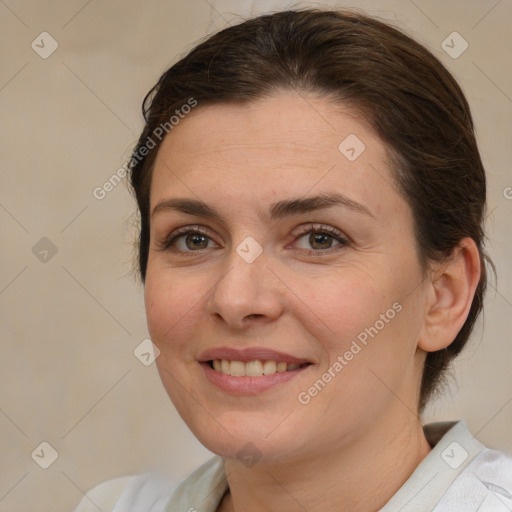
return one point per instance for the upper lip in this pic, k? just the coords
(249, 354)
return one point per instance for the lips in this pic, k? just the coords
(249, 354)
(218, 364)
(254, 368)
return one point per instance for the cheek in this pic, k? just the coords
(169, 309)
(347, 302)
(369, 316)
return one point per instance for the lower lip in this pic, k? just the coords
(248, 385)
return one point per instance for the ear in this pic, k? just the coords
(451, 291)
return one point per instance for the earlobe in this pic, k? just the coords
(453, 287)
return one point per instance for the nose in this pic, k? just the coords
(246, 293)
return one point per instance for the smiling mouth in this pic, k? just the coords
(256, 368)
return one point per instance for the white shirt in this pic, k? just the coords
(459, 475)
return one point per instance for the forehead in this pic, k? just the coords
(283, 144)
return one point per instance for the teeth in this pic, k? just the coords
(237, 368)
(269, 367)
(281, 367)
(252, 368)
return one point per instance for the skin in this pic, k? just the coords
(358, 440)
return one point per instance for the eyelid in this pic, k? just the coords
(344, 240)
(334, 233)
(165, 243)
(324, 228)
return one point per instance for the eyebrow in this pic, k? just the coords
(278, 210)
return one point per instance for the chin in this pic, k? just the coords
(239, 435)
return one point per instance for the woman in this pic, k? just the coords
(312, 200)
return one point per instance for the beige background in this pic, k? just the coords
(69, 325)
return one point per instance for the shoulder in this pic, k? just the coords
(491, 473)
(144, 490)
(151, 491)
(104, 495)
(484, 485)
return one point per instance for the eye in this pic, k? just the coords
(186, 240)
(195, 239)
(321, 237)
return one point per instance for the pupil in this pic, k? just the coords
(195, 237)
(316, 236)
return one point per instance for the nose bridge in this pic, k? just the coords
(247, 288)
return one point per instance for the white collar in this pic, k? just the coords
(453, 448)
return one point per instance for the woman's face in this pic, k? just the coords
(346, 302)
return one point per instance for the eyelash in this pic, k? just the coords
(166, 244)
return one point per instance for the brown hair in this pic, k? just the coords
(409, 97)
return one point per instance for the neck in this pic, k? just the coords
(361, 476)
